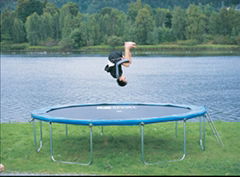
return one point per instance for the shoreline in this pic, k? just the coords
(161, 49)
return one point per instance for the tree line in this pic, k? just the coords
(93, 6)
(43, 23)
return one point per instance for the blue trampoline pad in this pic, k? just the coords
(118, 113)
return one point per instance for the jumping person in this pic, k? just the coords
(116, 60)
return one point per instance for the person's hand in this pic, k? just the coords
(130, 45)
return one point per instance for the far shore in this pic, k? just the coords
(161, 49)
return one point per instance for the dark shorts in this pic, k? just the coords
(112, 70)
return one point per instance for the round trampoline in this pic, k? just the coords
(120, 114)
(117, 114)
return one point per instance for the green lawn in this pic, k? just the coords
(117, 151)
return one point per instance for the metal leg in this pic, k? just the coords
(90, 149)
(66, 129)
(202, 132)
(176, 128)
(35, 135)
(214, 130)
(101, 131)
(152, 163)
(142, 143)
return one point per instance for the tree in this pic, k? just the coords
(56, 26)
(69, 19)
(47, 29)
(179, 23)
(144, 24)
(154, 36)
(166, 34)
(129, 31)
(53, 12)
(19, 34)
(196, 23)
(77, 38)
(228, 19)
(33, 24)
(133, 9)
(112, 22)
(7, 20)
(51, 9)
(91, 30)
(160, 16)
(114, 41)
(27, 7)
(214, 21)
(69, 24)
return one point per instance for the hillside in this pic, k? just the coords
(91, 6)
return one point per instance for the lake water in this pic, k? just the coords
(31, 82)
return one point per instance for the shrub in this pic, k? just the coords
(66, 43)
(237, 40)
(221, 39)
(114, 41)
(189, 42)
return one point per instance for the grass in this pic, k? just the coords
(117, 151)
(172, 49)
(182, 48)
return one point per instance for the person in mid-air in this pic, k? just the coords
(116, 60)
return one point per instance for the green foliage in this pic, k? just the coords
(90, 29)
(179, 23)
(133, 9)
(77, 38)
(190, 42)
(162, 17)
(7, 20)
(33, 29)
(221, 39)
(8, 46)
(18, 29)
(111, 23)
(50, 8)
(114, 41)
(144, 24)
(27, 7)
(166, 34)
(196, 23)
(66, 43)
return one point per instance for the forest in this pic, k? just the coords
(67, 25)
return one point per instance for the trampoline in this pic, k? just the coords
(121, 114)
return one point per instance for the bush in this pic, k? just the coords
(207, 38)
(49, 42)
(6, 46)
(66, 43)
(188, 42)
(165, 34)
(237, 40)
(220, 39)
(77, 38)
(114, 41)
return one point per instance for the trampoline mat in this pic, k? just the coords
(116, 112)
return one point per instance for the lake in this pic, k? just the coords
(30, 82)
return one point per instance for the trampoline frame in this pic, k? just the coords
(202, 135)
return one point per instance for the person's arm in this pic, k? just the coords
(127, 52)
